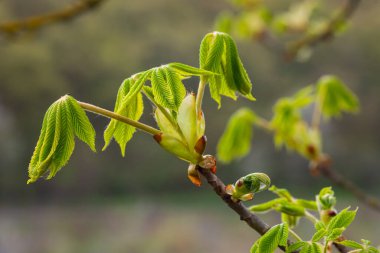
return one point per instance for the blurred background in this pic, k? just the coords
(143, 202)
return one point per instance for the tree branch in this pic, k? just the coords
(245, 214)
(323, 166)
(309, 40)
(12, 28)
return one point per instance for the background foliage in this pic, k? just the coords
(88, 57)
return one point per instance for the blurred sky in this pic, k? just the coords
(89, 56)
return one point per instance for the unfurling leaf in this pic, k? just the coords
(326, 199)
(334, 97)
(236, 139)
(63, 120)
(129, 103)
(167, 87)
(218, 54)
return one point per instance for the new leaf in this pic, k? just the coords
(236, 139)
(218, 54)
(63, 120)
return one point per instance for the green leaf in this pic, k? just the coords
(277, 235)
(167, 87)
(319, 235)
(311, 247)
(308, 204)
(287, 122)
(295, 246)
(186, 70)
(236, 139)
(341, 220)
(351, 244)
(335, 233)
(281, 192)
(266, 206)
(63, 120)
(219, 54)
(129, 103)
(82, 126)
(334, 97)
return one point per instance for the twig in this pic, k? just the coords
(245, 214)
(323, 166)
(345, 12)
(12, 28)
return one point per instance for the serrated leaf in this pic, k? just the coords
(334, 97)
(295, 246)
(342, 219)
(63, 120)
(186, 70)
(274, 237)
(351, 244)
(82, 126)
(335, 233)
(167, 87)
(236, 139)
(129, 104)
(218, 54)
(319, 235)
(311, 247)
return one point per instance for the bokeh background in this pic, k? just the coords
(144, 202)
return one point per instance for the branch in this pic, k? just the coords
(309, 40)
(245, 214)
(12, 28)
(323, 166)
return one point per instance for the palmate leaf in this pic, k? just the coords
(274, 237)
(236, 139)
(63, 120)
(218, 54)
(334, 97)
(129, 103)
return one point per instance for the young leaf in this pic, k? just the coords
(319, 235)
(334, 97)
(341, 220)
(218, 54)
(167, 87)
(129, 103)
(63, 120)
(295, 246)
(236, 139)
(187, 71)
(276, 236)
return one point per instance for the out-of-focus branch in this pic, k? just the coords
(323, 167)
(309, 40)
(290, 49)
(77, 8)
(245, 214)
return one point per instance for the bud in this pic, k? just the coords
(245, 187)
(191, 124)
(176, 147)
(193, 175)
(326, 199)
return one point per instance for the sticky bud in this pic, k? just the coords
(175, 146)
(193, 175)
(245, 188)
(200, 145)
